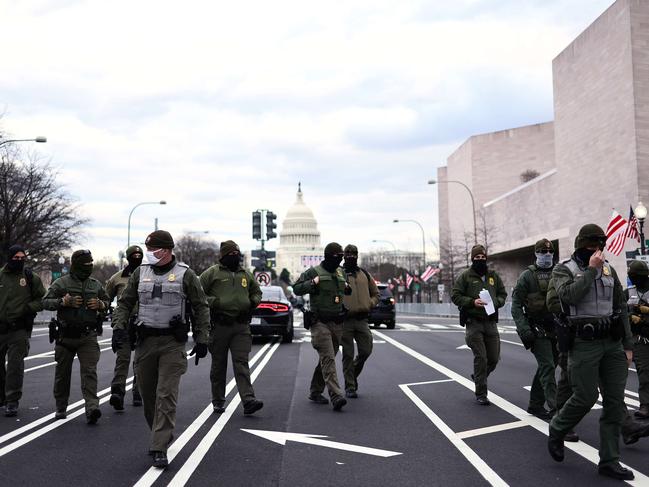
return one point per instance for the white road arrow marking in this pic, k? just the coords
(463, 347)
(282, 437)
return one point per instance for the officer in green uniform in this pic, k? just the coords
(364, 296)
(638, 301)
(114, 287)
(21, 292)
(232, 293)
(79, 301)
(164, 292)
(326, 284)
(481, 329)
(592, 299)
(535, 327)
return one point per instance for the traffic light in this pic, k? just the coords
(270, 225)
(256, 225)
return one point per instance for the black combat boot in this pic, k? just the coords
(643, 412)
(318, 399)
(160, 459)
(11, 409)
(632, 430)
(338, 402)
(555, 445)
(116, 398)
(616, 471)
(251, 406)
(93, 416)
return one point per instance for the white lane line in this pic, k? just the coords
(428, 382)
(629, 402)
(435, 326)
(481, 466)
(192, 463)
(49, 364)
(60, 422)
(491, 429)
(513, 343)
(153, 473)
(588, 452)
(408, 326)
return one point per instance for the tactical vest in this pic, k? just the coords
(535, 306)
(598, 302)
(79, 317)
(160, 297)
(331, 290)
(635, 296)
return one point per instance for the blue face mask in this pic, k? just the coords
(544, 261)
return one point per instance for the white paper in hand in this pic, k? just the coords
(486, 297)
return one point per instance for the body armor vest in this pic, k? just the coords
(161, 297)
(598, 302)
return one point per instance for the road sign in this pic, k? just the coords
(644, 258)
(282, 437)
(263, 278)
(440, 288)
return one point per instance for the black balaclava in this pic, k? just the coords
(584, 255)
(479, 266)
(231, 261)
(333, 256)
(81, 264)
(15, 265)
(134, 256)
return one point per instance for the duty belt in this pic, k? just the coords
(148, 331)
(358, 316)
(73, 331)
(593, 331)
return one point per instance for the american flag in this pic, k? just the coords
(428, 273)
(616, 233)
(409, 280)
(632, 229)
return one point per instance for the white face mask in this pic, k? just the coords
(151, 258)
(544, 261)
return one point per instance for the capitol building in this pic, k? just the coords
(299, 240)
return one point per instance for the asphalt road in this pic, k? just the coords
(415, 423)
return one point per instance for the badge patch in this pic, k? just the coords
(172, 277)
(23, 282)
(492, 282)
(244, 282)
(605, 271)
(337, 299)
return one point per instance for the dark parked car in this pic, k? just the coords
(274, 315)
(384, 312)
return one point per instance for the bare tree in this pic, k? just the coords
(197, 253)
(35, 210)
(104, 269)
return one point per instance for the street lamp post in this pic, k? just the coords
(475, 231)
(40, 139)
(423, 239)
(640, 213)
(128, 240)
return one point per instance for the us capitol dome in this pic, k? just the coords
(299, 240)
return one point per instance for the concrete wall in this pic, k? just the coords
(640, 56)
(595, 125)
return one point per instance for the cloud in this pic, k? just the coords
(220, 108)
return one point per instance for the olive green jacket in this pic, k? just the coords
(527, 286)
(571, 290)
(72, 285)
(467, 289)
(116, 284)
(17, 298)
(326, 296)
(230, 293)
(195, 298)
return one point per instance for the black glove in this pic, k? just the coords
(528, 340)
(200, 349)
(119, 338)
(54, 330)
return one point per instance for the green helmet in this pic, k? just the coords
(590, 234)
(638, 268)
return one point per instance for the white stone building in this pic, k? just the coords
(299, 239)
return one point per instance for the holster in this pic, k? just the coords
(564, 332)
(308, 319)
(54, 330)
(179, 328)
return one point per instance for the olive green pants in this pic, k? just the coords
(236, 339)
(122, 364)
(544, 385)
(14, 347)
(359, 331)
(596, 366)
(564, 388)
(483, 339)
(87, 351)
(326, 339)
(159, 364)
(641, 359)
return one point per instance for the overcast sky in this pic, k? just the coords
(220, 108)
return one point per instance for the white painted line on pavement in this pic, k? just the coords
(435, 326)
(194, 460)
(428, 382)
(491, 429)
(480, 465)
(49, 364)
(153, 473)
(581, 448)
(59, 422)
(513, 343)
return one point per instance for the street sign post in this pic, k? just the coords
(263, 278)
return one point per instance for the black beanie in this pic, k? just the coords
(160, 239)
(81, 257)
(227, 247)
(333, 248)
(13, 250)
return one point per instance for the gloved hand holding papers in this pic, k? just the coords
(489, 304)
